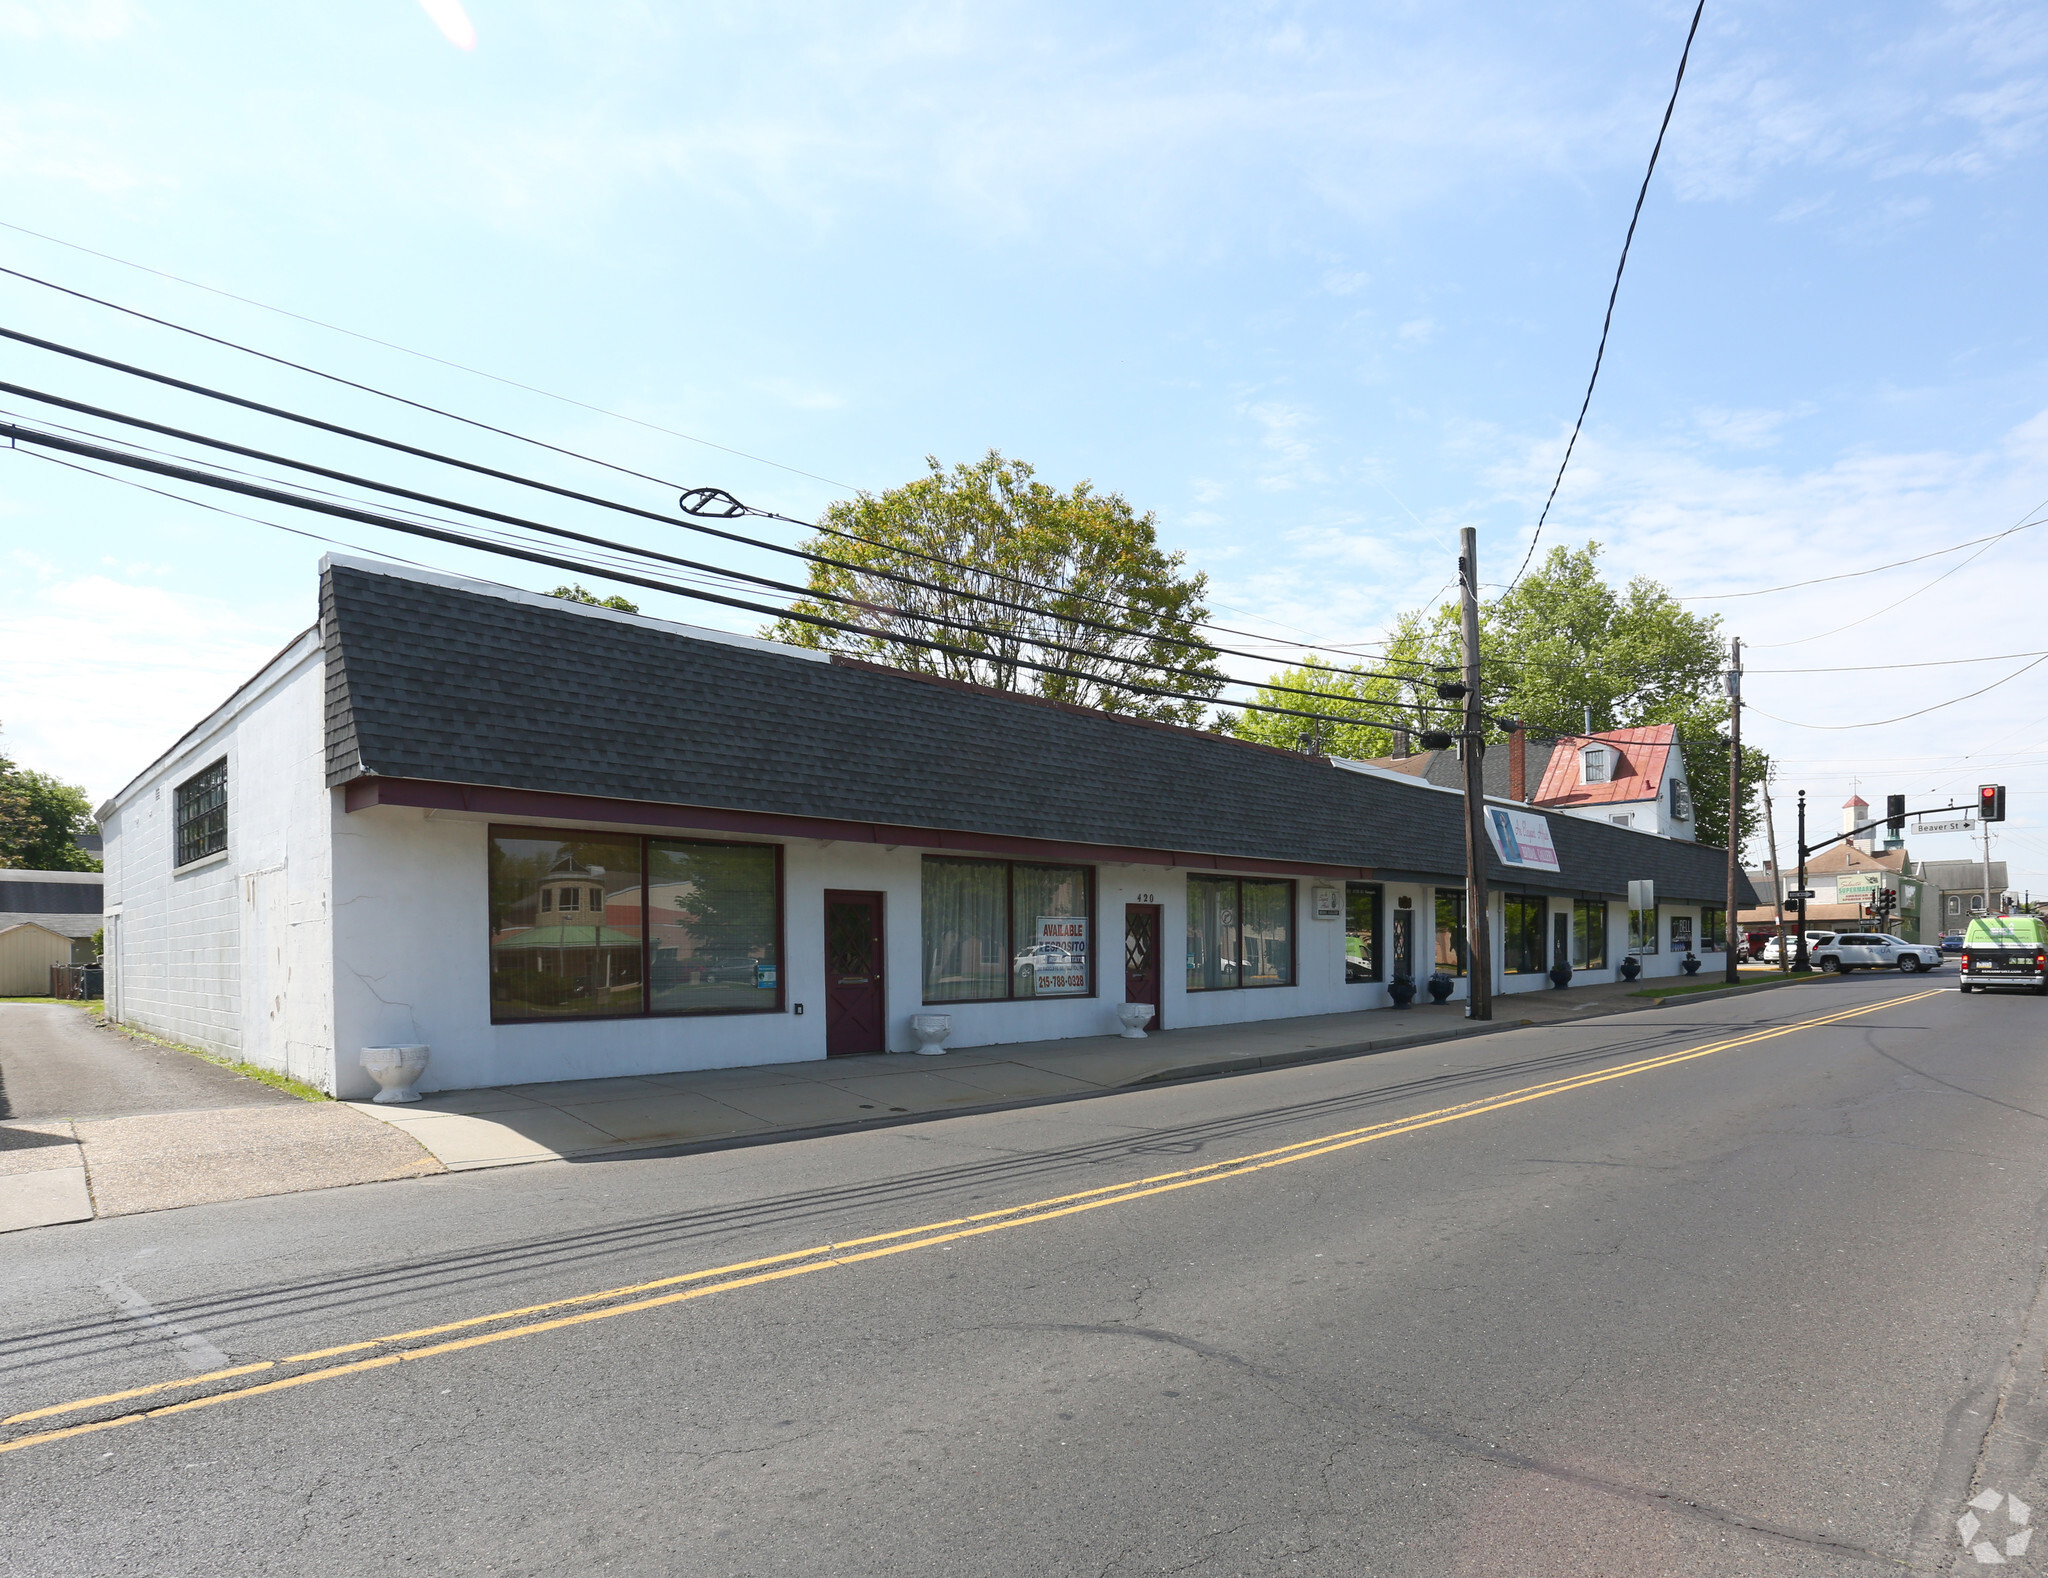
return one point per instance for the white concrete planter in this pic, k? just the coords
(931, 1031)
(1135, 1016)
(397, 1070)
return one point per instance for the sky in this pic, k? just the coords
(1317, 284)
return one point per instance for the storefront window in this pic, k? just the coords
(1522, 917)
(1450, 930)
(711, 926)
(1713, 928)
(566, 933)
(1642, 931)
(1402, 928)
(1361, 931)
(1240, 932)
(1681, 934)
(994, 929)
(1589, 934)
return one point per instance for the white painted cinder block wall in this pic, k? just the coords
(231, 954)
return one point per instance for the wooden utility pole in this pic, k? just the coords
(1777, 879)
(1728, 925)
(1478, 929)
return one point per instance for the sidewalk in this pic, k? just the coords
(583, 1119)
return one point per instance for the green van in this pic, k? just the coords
(2005, 950)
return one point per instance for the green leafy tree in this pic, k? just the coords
(579, 593)
(40, 820)
(1371, 699)
(1064, 555)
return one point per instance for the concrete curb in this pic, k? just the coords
(1735, 991)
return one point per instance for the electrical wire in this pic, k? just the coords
(1921, 713)
(1850, 575)
(321, 425)
(453, 416)
(17, 433)
(1863, 668)
(1613, 295)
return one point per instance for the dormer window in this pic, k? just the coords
(572, 898)
(1681, 801)
(1594, 767)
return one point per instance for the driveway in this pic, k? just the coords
(56, 1063)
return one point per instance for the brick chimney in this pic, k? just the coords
(1518, 763)
(1401, 746)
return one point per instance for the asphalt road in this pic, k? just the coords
(1552, 1301)
(56, 1063)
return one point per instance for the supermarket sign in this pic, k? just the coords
(1521, 838)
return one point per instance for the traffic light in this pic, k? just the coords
(1991, 802)
(1895, 813)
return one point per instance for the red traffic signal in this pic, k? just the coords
(1991, 802)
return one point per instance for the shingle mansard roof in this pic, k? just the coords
(453, 683)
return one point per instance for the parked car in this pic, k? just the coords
(1875, 951)
(2005, 950)
(1951, 942)
(1814, 939)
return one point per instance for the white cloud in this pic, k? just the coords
(73, 21)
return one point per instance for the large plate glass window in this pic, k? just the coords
(713, 938)
(1240, 932)
(996, 929)
(1450, 930)
(1522, 924)
(1361, 931)
(1642, 931)
(201, 804)
(1713, 928)
(1589, 934)
(566, 934)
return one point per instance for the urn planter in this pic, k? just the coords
(1440, 988)
(1560, 976)
(1690, 964)
(931, 1031)
(1631, 967)
(396, 1070)
(1134, 1017)
(1402, 990)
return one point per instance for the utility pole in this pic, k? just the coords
(1478, 931)
(1728, 925)
(1799, 955)
(1777, 877)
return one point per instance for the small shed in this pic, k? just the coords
(27, 950)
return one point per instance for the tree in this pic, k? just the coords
(40, 820)
(1374, 699)
(1564, 645)
(579, 593)
(1065, 556)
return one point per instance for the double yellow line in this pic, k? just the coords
(802, 1262)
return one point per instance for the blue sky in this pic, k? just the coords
(1319, 284)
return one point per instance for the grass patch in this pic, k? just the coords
(263, 1076)
(1715, 985)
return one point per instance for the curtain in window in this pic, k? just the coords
(1522, 916)
(1267, 930)
(579, 963)
(711, 923)
(1212, 933)
(966, 930)
(1049, 922)
(1361, 931)
(1589, 935)
(1450, 930)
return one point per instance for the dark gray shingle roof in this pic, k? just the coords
(453, 685)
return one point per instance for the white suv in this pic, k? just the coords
(1871, 951)
(1814, 940)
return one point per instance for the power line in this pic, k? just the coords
(1922, 712)
(1862, 668)
(1850, 575)
(453, 416)
(319, 424)
(1613, 294)
(389, 345)
(415, 528)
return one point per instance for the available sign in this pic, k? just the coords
(1521, 838)
(1061, 956)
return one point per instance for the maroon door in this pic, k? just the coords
(1141, 959)
(853, 974)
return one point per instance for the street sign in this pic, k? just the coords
(1800, 893)
(1642, 895)
(1945, 825)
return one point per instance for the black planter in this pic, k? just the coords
(1631, 967)
(1439, 988)
(1690, 965)
(1560, 976)
(1402, 989)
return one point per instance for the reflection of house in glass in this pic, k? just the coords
(562, 947)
